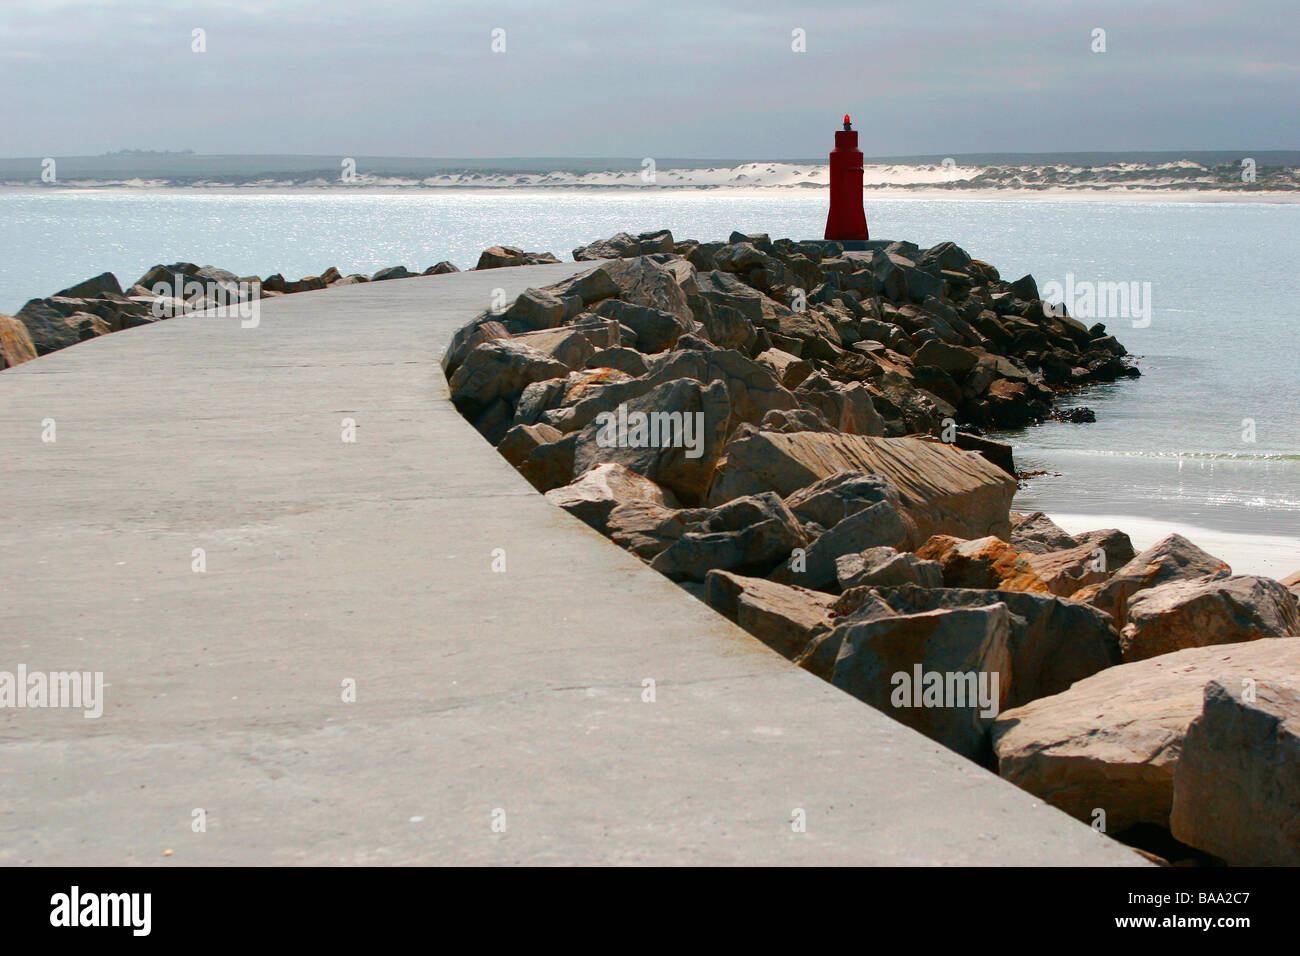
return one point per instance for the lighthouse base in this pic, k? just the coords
(848, 245)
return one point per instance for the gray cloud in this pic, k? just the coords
(666, 78)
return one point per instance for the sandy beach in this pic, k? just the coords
(1270, 555)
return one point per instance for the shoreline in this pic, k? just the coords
(1274, 556)
(922, 193)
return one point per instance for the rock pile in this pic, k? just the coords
(99, 305)
(793, 433)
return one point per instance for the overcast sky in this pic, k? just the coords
(668, 78)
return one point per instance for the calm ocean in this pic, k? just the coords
(1209, 436)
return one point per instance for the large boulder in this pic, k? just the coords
(499, 369)
(622, 245)
(500, 257)
(16, 344)
(943, 490)
(48, 325)
(886, 567)
(589, 287)
(467, 338)
(645, 282)
(944, 673)
(616, 246)
(1170, 559)
(1054, 642)
(1111, 548)
(752, 388)
(1066, 572)
(784, 618)
(391, 272)
(847, 407)
(790, 369)
(648, 529)
(600, 489)
(672, 435)
(987, 562)
(534, 309)
(1038, 534)
(656, 330)
(1112, 741)
(723, 289)
(1207, 611)
(101, 285)
(874, 526)
(748, 535)
(567, 345)
(1237, 782)
(830, 500)
(520, 441)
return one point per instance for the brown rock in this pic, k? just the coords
(943, 490)
(1171, 559)
(790, 369)
(986, 563)
(601, 488)
(1205, 611)
(1065, 572)
(784, 618)
(521, 440)
(880, 660)
(1237, 783)
(15, 343)
(1112, 741)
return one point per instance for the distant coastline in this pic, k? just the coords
(931, 193)
(1182, 180)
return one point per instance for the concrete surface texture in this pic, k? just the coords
(500, 716)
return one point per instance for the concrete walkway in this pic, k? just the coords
(481, 696)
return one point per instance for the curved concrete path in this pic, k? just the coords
(481, 696)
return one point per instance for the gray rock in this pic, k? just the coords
(645, 282)
(752, 389)
(392, 272)
(886, 567)
(656, 330)
(682, 429)
(747, 535)
(847, 407)
(534, 309)
(499, 368)
(878, 525)
(795, 420)
(624, 359)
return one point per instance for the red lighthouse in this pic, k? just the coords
(847, 222)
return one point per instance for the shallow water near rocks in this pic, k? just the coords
(1218, 355)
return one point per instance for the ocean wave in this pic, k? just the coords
(1162, 455)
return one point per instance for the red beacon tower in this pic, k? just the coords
(847, 221)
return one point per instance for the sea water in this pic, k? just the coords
(1208, 436)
